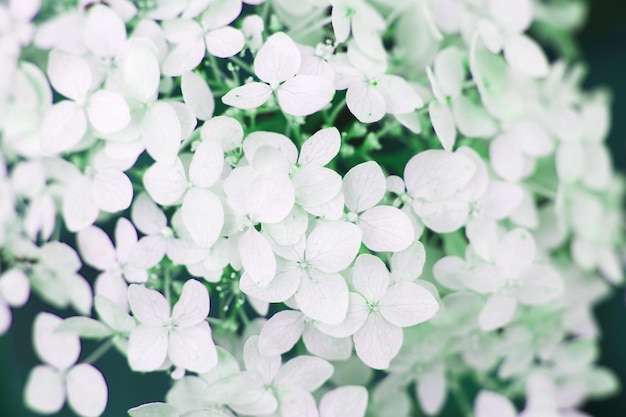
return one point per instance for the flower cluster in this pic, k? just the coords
(272, 200)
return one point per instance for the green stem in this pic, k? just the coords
(167, 281)
(335, 113)
(242, 64)
(98, 353)
(461, 399)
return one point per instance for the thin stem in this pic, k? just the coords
(461, 399)
(242, 64)
(98, 353)
(166, 285)
(310, 27)
(335, 113)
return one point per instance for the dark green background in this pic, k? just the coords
(603, 43)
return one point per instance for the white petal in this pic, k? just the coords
(281, 332)
(304, 95)
(539, 284)
(325, 346)
(278, 59)
(323, 297)
(193, 348)
(154, 410)
(225, 130)
(264, 366)
(365, 102)
(400, 98)
(501, 199)
(162, 132)
(113, 287)
(346, 401)
(297, 401)
(407, 304)
(203, 216)
(370, 277)
(87, 392)
(112, 190)
(105, 32)
(534, 140)
(184, 57)
(147, 217)
(497, 312)
(525, 55)
(443, 123)
(257, 257)
(431, 390)
(63, 126)
(166, 184)
(14, 287)
(450, 272)
(570, 162)
(320, 148)
(386, 229)
(125, 238)
(207, 164)
(332, 246)
(448, 69)
(472, 119)
(24, 10)
(221, 13)
(315, 185)
(140, 70)
(224, 42)
(148, 306)
(358, 311)
(248, 96)
(270, 198)
(377, 342)
(108, 112)
(435, 174)
(308, 372)
(516, 251)
(96, 248)
(291, 229)
(57, 349)
(148, 252)
(492, 404)
(364, 186)
(147, 348)
(407, 265)
(69, 74)
(507, 158)
(45, 390)
(443, 216)
(341, 24)
(281, 288)
(197, 95)
(113, 315)
(599, 168)
(192, 306)
(257, 140)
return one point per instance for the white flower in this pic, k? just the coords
(371, 92)
(267, 387)
(311, 271)
(98, 251)
(514, 277)
(358, 18)
(378, 312)
(50, 384)
(181, 335)
(55, 278)
(277, 64)
(283, 330)
(201, 210)
(103, 187)
(66, 122)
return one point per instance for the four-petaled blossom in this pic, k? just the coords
(181, 335)
(277, 64)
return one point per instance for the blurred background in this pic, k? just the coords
(603, 44)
